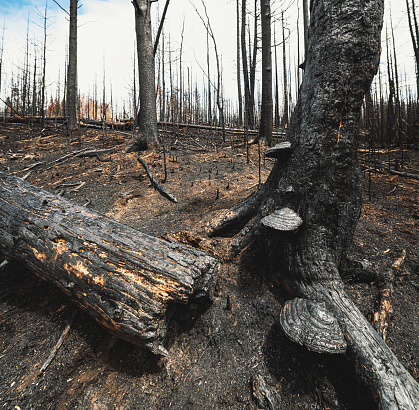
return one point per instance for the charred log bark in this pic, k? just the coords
(313, 194)
(122, 277)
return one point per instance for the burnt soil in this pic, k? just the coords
(216, 351)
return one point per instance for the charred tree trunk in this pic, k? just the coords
(239, 86)
(306, 212)
(306, 19)
(265, 129)
(248, 106)
(72, 69)
(125, 279)
(414, 34)
(147, 117)
(285, 119)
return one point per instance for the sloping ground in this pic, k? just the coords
(215, 352)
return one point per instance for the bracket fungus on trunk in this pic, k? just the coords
(284, 219)
(311, 324)
(280, 150)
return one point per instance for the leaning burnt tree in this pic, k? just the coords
(305, 214)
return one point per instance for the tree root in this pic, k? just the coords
(236, 219)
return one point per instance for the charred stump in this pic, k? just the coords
(125, 279)
(305, 215)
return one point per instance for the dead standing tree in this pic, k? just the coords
(266, 120)
(72, 69)
(414, 34)
(305, 214)
(147, 117)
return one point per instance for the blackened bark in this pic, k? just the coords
(414, 34)
(306, 19)
(72, 68)
(239, 86)
(248, 102)
(321, 182)
(266, 121)
(125, 279)
(285, 118)
(147, 117)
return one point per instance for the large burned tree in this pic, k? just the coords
(304, 216)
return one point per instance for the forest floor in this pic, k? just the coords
(215, 355)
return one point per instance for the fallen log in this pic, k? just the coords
(125, 279)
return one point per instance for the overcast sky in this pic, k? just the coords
(106, 38)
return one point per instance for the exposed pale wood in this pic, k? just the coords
(385, 307)
(125, 279)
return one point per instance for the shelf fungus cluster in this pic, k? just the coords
(309, 323)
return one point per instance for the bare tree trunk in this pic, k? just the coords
(248, 115)
(219, 100)
(252, 65)
(306, 18)
(239, 86)
(44, 60)
(34, 90)
(134, 93)
(414, 34)
(265, 130)
(284, 59)
(147, 118)
(304, 216)
(276, 85)
(156, 41)
(72, 69)
(1, 51)
(181, 108)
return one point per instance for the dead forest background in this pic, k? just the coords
(211, 156)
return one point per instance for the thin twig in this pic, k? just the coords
(56, 347)
(154, 182)
(390, 192)
(26, 175)
(78, 187)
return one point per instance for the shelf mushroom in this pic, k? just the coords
(284, 219)
(279, 150)
(311, 324)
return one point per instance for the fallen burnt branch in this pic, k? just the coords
(155, 183)
(125, 279)
(277, 134)
(385, 307)
(390, 171)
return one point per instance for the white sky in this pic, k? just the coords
(106, 33)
